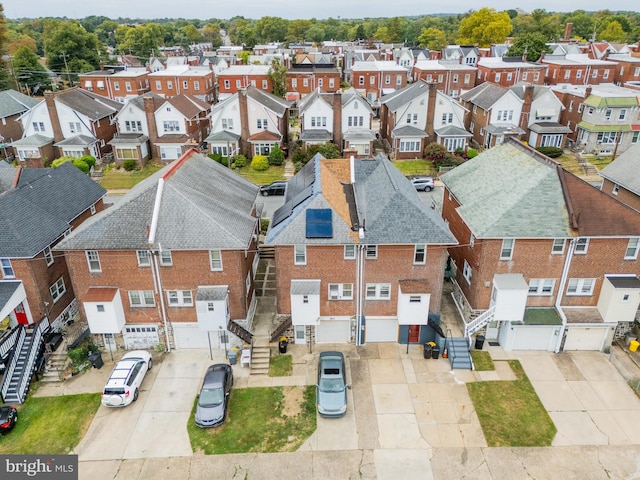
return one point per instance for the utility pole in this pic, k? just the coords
(66, 66)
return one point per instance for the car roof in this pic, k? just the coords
(120, 372)
(214, 377)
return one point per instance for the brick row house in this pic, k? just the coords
(184, 80)
(627, 69)
(176, 265)
(121, 84)
(577, 69)
(38, 207)
(359, 258)
(419, 114)
(453, 78)
(251, 122)
(70, 123)
(238, 77)
(378, 78)
(620, 179)
(12, 105)
(507, 71)
(604, 119)
(304, 78)
(536, 257)
(162, 128)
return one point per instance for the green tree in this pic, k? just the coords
(5, 81)
(271, 29)
(278, 76)
(484, 27)
(211, 33)
(106, 32)
(70, 48)
(315, 33)
(297, 30)
(613, 32)
(244, 56)
(260, 163)
(276, 157)
(533, 43)
(141, 40)
(242, 32)
(433, 38)
(192, 34)
(29, 71)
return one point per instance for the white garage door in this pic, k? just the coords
(333, 331)
(381, 330)
(140, 337)
(533, 338)
(585, 338)
(188, 335)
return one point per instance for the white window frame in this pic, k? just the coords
(215, 260)
(144, 258)
(420, 254)
(57, 290)
(341, 291)
(582, 246)
(93, 259)
(299, 254)
(179, 298)
(48, 256)
(557, 248)
(378, 291)
(506, 251)
(631, 253)
(141, 298)
(580, 286)
(166, 259)
(541, 286)
(371, 252)
(349, 252)
(467, 272)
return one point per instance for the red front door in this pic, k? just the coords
(414, 333)
(21, 316)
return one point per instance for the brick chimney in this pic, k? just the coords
(149, 111)
(337, 119)
(431, 111)
(587, 92)
(527, 100)
(567, 31)
(245, 147)
(49, 99)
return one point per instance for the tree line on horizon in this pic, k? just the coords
(72, 46)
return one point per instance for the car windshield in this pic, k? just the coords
(210, 397)
(331, 385)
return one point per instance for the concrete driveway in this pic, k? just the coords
(156, 424)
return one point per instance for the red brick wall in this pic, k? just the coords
(624, 195)
(327, 263)
(190, 269)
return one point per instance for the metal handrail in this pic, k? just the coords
(450, 346)
(6, 381)
(34, 349)
(9, 341)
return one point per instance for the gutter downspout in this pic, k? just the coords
(561, 287)
(157, 280)
(359, 293)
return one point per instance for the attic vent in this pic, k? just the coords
(319, 223)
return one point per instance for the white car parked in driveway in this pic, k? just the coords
(124, 382)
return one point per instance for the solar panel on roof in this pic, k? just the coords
(319, 223)
(281, 214)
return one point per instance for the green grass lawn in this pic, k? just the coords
(482, 361)
(570, 164)
(280, 365)
(53, 425)
(119, 179)
(510, 412)
(272, 174)
(268, 419)
(415, 167)
(599, 162)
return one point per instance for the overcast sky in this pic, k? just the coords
(290, 9)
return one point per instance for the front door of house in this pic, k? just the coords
(414, 333)
(21, 315)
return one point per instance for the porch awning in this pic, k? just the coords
(11, 295)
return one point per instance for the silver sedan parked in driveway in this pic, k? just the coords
(332, 385)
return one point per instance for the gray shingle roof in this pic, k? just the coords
(452, 131)
(39, 212)
(36, 140)
(128, 139)
(211, 294)
(76, 140)
(506, 192)
(359, 134)
(401, 97)
(222, 136)
(87, 103)
(276, 104)
(139, 100)
(409, 131)
(316, 134)
(305, 287)
(14, 103)
(203, 206)
(484, 95)
(390, 206)
(624, 170)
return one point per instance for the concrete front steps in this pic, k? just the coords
(54, 368)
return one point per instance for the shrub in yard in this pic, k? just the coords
(551, 152)
(59, 161)
(276, 157)
(436, 153)
(260, 163)
(81, 165)
(129, 165)
(240, 161)
(89, 160)
(264, 225)
(472, 152)
(215, 156)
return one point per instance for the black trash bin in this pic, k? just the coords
(479, 342)
(96, 359)
(435, 352)
(282, 346)
(427, 350)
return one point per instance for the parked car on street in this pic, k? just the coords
(424, 184)
(275, 188)
(213, 399)
(332, 385)
(123, 385)
(8, 418)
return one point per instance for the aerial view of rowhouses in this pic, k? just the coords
(532, 154)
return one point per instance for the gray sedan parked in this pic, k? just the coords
(213, 399)
(332, 385)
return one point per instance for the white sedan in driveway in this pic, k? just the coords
(123, 385)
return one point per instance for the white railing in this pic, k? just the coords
(477, 323)
(34, 350)
(9, 341)
(6, 381)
